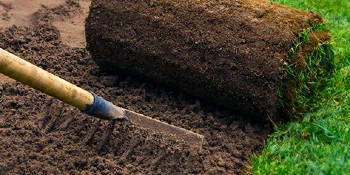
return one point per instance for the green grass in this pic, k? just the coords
(319, 142)
(297, 91)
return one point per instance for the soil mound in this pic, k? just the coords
(233, 53)
(40, 135)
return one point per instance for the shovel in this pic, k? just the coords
(88, 102)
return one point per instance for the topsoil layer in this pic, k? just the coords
(230, 52)
(40, 135)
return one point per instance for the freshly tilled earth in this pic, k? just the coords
(41, 135)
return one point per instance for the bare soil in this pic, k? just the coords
(40, 135)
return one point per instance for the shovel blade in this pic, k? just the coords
(155, 126)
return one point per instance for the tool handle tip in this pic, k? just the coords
(104, 109)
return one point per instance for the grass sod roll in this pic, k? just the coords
(244, 55)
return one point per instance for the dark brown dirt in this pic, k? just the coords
(40, 135)
(230, 52)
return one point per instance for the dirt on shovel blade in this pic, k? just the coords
(40, 135)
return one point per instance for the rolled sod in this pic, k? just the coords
(245, 55)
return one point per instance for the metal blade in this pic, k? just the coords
(152, 125)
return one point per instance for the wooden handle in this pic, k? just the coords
(31, 75)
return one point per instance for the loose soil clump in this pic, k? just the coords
(40, 135)
(233, 53)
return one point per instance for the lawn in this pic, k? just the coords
(319, 142)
